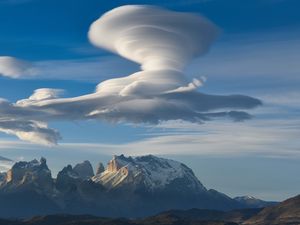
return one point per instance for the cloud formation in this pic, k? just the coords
(15, 68)
(163, 42)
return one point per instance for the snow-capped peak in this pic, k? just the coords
(246, 197)
(149, 171)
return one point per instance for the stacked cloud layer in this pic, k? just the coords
(163, 42)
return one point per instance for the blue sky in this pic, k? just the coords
(256, 54)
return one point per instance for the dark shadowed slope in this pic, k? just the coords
(5, 159)
(286, 213)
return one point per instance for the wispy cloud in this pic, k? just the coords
(259, 138)
(15, 68)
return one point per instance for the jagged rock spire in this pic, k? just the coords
(100, 168)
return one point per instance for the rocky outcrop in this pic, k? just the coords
(84, 170)
(150, 173)
(117, 163)
(2, 178)
(35, 174)
(100, 169)
(66, 179)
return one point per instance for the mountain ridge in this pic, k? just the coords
(253, 202)
(271, 215)
(147, 184)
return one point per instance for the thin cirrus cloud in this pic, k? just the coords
(162, 42)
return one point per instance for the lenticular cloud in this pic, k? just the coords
(163, 43)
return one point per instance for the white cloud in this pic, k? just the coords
(32, 131)
(273, 139)
(163, 42)
(15, 68)
(41, 94)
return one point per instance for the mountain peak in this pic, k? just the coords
(156, 182)
(147, 172)
(84, 170)
(30, 173)
(253, 202)
(100, 168)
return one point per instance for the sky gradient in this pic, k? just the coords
(256, 54)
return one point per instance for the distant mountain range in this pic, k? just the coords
(5, 159)
(285, 213)
(128, 187)
(5, 163)
(253, 202)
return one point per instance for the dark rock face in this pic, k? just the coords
(30, 175)
(84, 170)
(66, 179)
(100, 169)
(2, 178)
(145, 185)
(28, 189)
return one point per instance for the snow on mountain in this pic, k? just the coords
(35, 174)
(253, 202)
(147, 184)
(150, 172)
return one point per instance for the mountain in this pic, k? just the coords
(2, 178)
(252, 202)
(28, 189)
(29, 175)
(84, 170)
(5, 159)
(148, 174)
(285, 213)
(149, 184)
(127, 187)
